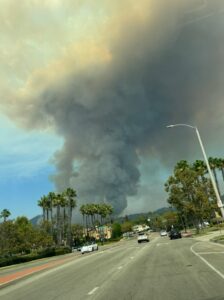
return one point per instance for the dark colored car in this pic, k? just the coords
(175, 234)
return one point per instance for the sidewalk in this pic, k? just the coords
(208, 237)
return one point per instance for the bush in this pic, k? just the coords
(219, 239)
(62, 250)
(48, 252)
(116, 230)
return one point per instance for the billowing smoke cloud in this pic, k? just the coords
(150, 64)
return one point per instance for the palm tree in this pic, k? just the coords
(94, 213)
(63, 218)
(213, 162)
(200, 167)
(97, 207)
(43, 203)
(83, 212)
(48, 208)
(5, 213)
(51, 197)
(91, 212)
(70, 195)
(103, 212)
(181, 165)
(110, 209)
(88, 214)
(57, 204)
(221, 166)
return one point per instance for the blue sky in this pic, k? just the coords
(99, 81)
(25, 167)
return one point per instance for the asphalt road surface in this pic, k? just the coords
(183, 269)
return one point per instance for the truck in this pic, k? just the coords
(142, 237)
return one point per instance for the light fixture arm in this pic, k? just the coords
(219, 201)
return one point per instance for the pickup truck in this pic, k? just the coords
(142, 237)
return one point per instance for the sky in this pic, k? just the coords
(87, 89)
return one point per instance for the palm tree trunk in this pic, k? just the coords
(216, 180)
(51, 213)
(83, 223)
(86, 227)
(222, 170)
(47, 214)
(63, 225)
(58, 226)
(69, 237)
(83, 220)
(92, 221)
(44, 214)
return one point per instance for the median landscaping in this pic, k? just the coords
(218, 239)
(16, 259)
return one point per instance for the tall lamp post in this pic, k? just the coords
(219, 201)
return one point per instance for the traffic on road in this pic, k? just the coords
(185, 269)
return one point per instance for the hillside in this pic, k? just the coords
(36, 220)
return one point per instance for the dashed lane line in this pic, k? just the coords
(93, 291)
(159, 244)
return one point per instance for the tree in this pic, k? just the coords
(43, 203)
(200, 167)
(173, 219)
(91, 213)
(8, 238)
(5, 213)
(193, 199)
(116, 230)
(126, 226)
(21, 237)
(221, 166)
(70, 195)
(157, 222)
(51, 196)
(57, 204)
(63, 217)
(25, 234)
(104, 210)
(214, 164)
(82, 209)
(77, 233)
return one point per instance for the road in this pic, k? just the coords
(161, 269)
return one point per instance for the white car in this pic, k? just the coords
(89, 248)
(142, 237)
(163, 233)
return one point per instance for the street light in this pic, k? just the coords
(219, 202)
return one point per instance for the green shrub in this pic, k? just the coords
(48, 252)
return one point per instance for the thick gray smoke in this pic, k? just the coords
(162, 67)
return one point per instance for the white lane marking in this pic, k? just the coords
(214, 252)
(119, 268)
(217, 244)
(207, 263)
(159, 244)
(93, 290)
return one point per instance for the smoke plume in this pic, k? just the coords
(110, 95)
